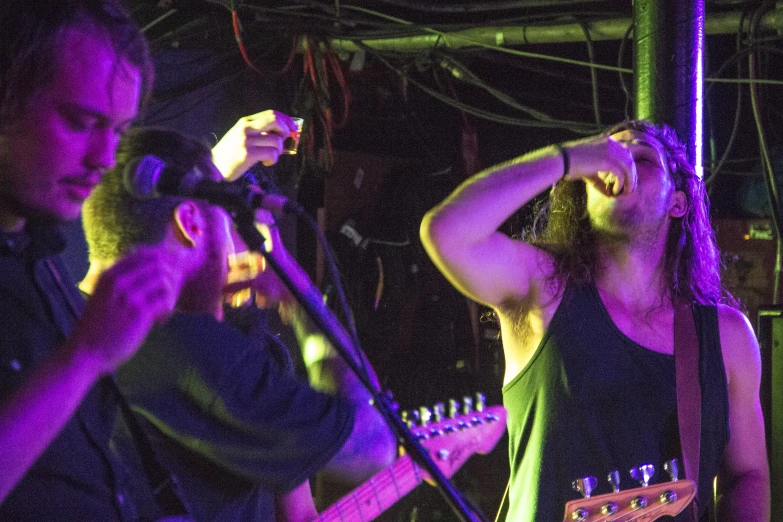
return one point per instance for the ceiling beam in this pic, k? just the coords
(506, 36)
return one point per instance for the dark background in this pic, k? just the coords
(390, 133)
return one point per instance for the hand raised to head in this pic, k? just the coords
(137, 292)
(603, 161)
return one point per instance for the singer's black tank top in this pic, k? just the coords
(592, 401)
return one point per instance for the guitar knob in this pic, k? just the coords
(437, 412)
(424, 415)
(643, 474)
(467, 405)
(585, 485)
(579, 515)
(453, 408)
(610, 508)
(668, 497)
(672, 467)
(614, 480)
(481, 401)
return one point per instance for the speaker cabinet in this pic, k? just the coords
(770, 333)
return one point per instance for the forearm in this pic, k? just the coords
(745, 498)
(33, 417)
(326, 369)
(371, 445)
(478, 207)
(296, 505)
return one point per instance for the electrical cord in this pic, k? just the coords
(772, 191)
(623, 85)
(334, 274)
(593, 72)
(737, 112)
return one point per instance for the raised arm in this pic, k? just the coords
(254, 138)
(130, 297)
(743, 481)
(461, 233)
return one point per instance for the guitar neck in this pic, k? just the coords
(375, 496)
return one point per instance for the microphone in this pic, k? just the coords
(150, 177)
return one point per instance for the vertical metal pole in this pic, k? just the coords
(669, 69)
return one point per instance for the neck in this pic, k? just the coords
(87, 285)
(633, 272)
(193, 299)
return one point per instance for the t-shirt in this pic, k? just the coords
(232, 424)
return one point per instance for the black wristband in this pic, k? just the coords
(566, 160)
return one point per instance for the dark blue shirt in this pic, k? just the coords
(79, 476)
(591, 401)
(229, 418)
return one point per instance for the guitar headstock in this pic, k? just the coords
(638, 504)
(452, 440)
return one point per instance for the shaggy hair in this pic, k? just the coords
(692, 261)
(32, 33)
(114, 219)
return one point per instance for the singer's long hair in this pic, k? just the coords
(692, 262)
(114, 220)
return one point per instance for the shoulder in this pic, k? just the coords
(738, 343)
(197, 335)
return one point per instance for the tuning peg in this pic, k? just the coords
(437, 412)
(481, 401)
(672, 467)
(453, 408)
(585, 485)
(614, 480)
(467, 405)
(424, 415)
(643, 474)
(410, 418)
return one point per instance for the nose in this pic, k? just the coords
(102, 147)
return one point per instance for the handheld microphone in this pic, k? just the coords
(150, 177)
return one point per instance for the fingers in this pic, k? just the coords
(270, 122)
(607, 163)
(255, 138)
(138, 291)
(622, 166)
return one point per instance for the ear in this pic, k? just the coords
(678, 205)
(188, 223)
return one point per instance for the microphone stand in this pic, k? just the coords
(311, 300)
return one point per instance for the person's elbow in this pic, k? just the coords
(370, 448)
(435, 235)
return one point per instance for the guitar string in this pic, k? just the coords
(352, 503)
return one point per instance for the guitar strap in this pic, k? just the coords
(165, 487)
(686, 367)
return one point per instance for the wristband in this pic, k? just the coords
(566, 160)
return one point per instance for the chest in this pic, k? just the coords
(653, 330)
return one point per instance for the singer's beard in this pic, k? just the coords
(204, 292)
(631, 225)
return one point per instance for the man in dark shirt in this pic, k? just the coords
(72, 77)
(227, 418)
